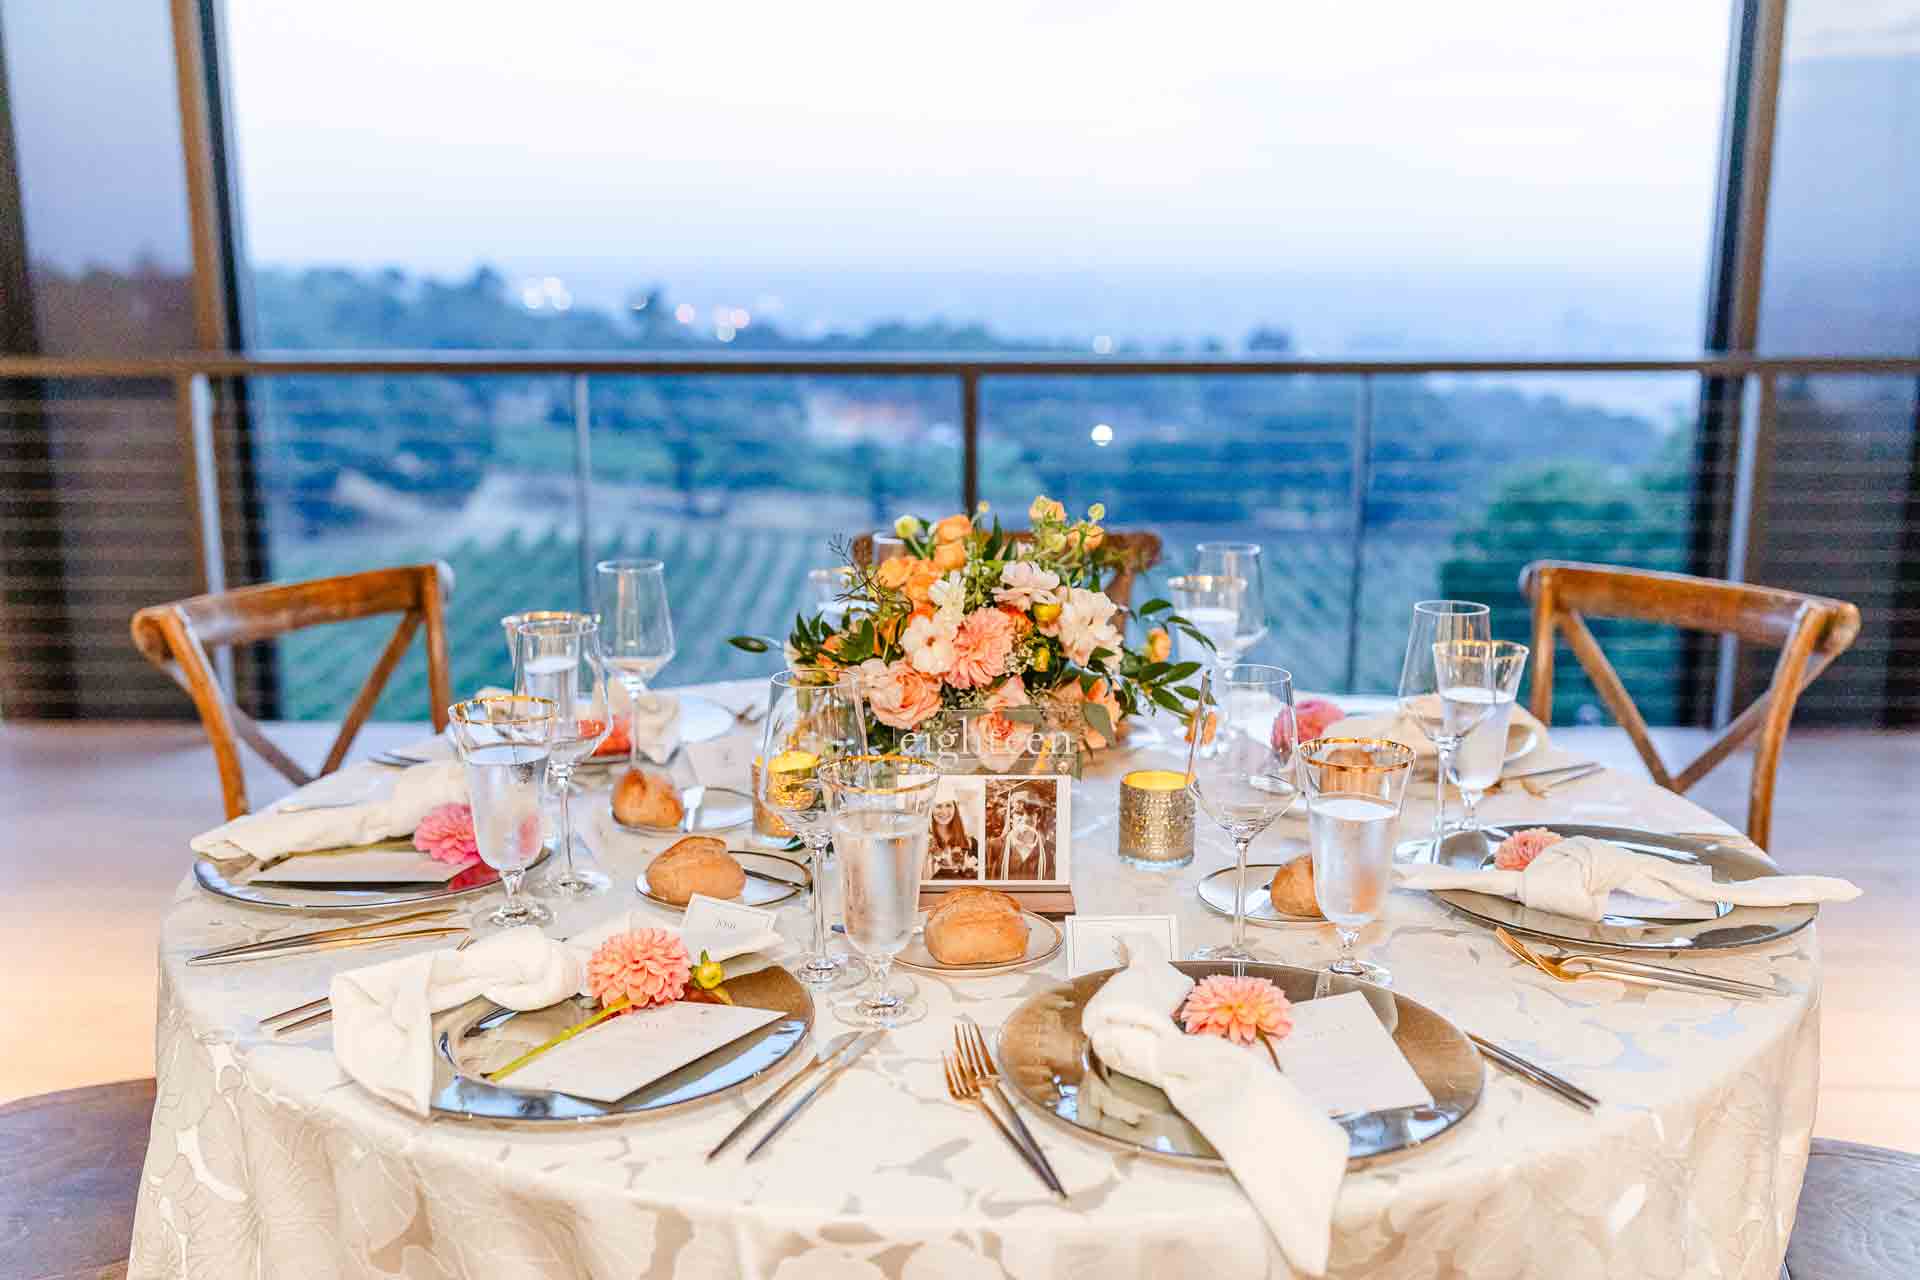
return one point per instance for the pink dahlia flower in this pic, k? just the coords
(647, 966)
(1237, 1009)
(1522, 847)
(446, 834)
(980, 649)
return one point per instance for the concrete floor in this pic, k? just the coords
(98, 817)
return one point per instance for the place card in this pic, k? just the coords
(722, 761)
(1340, 1055)
(626, 1052)
(373, 866)
(1093, 942)
(723, 928)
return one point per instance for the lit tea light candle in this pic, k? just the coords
(1156, 819)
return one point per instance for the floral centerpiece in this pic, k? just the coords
(1011, 633)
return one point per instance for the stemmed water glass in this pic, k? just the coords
(504, 742)
(1437, 622)
(636, 629)
(559, 659)
(1210, 602)
(1355, 788)
(1471, 668)
(1247, 780)
(879, 806)
(1241, 563)
(814, 717)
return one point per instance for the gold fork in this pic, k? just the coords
(961, 1088)
(970, 1046)
(1628, 971)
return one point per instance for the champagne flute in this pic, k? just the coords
(1355, 789)
(813, 716)
(879, 806)
(636, 637)
(1436, 622)
(1247, 780)
(1483, 752)
(1241, 563)
(558, 659)
(504, 742)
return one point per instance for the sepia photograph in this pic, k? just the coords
(958, 821)
(1027, 829)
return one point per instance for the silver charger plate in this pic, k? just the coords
(1733, 927)
(213, 878)
(469, 1041)
(720, 809)
(1044, 940)
(1046, 1057)
(1216, 894)
(756, 892)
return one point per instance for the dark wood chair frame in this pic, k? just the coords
(176, 638)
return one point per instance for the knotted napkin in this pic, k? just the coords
(1287, 1155)
(414, 794)
(1573, 877)
(1402, 728)
(383, 1013)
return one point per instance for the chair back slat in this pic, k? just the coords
(176, 638)
(1810, 632)
(1141, 551)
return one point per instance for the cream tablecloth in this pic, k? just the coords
(267, 1162)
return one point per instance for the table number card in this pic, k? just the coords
(635, 1049)
(1093, 942)
(1341, 1056)
(722, 761)
(711, 923)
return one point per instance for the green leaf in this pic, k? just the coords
(1182, 670)
(1170, 702)
(1087, 682)
(751, 644)
(1097, 718)
(1153, 606)
(1024, 715)
(1155, 670)
(1196, 637)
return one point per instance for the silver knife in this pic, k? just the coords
(1537, 1074)
(841, 1061)
(829, 1050)
(1714, 981)
(1543, 773)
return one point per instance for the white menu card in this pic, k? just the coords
(634, 1049)
(1340, 1055)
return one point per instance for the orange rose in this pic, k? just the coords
(1020, 620)
(1045, 508)
(888, 628)
(952, 529)
(1159, 645)
(1091, 535)
(949, 556)
(1209, 725)
(893, 572)
(921, 581)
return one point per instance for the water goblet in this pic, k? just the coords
(558, 659)
(504, 743)
(1247, 780)
(1474, 668)
(1211, 602)
(1240, 562)
(879, 806)
(814, 716)
(1436, 622)
(636, 630)
(1355, 788)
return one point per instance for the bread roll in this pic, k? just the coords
(976, 926)
(1292, 889)
(697, 864)
(646, 800)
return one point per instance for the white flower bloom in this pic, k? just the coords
(1086, 624)
(949, 596)
(929, 644)
(1024, 584)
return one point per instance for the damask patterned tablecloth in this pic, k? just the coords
(267, 1162)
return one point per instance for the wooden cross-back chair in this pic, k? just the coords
(1141, 552)
(1810, 632)
(176, 637)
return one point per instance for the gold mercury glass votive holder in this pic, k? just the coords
(766, 823)
(1156, 820)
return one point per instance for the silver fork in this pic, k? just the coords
(971, 1047)
(961, 1087)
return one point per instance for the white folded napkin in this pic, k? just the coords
(383, 1013)
(415, 793)
(1574, 876)
(1401, 728)
(1286, 1154)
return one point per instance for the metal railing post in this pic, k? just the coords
(969, 439)
(1362, 473)
(1746, 528)
(193, 413)
(583, 482)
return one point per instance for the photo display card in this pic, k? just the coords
(1010, 832)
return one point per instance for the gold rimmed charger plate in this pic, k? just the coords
(1216, 895)
(1044, 940)
(216, 878)
(1046, 1057)
(479, 1037)
(756, 892)
(1732, 927)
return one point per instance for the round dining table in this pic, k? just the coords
(268, 1161)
